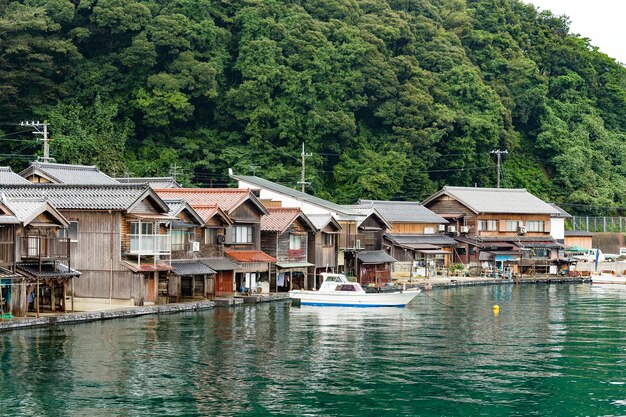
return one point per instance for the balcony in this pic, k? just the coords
(44, 247)
(150, 244)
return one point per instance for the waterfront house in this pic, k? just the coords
(53, 173)
(417, 239)
(557, 223)
(35, 261)
(499, 228)
(361, 231)
(241, 239)
(323, 245)
(578, 239)
(119, 237)
(285, 236)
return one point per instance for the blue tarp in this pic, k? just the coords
(501, 258)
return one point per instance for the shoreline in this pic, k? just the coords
(89, 316)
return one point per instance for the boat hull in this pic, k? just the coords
(608, 280)
(337, 299)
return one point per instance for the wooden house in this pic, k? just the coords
(285, 236)
(578, 239)
(119, 237)
(417, 238)
(242, 239)
(360, 230)
(323, 245)
(499, 228)
(35, 262)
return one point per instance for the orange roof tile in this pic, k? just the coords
(225, 198)
(279, 219)
(249, 255)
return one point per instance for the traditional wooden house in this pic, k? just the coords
(499, 228)
(52, 173)
(120, 240)
(360, 231)
(285, 236)
(323, 245)
(417, 239)
(8, 177)
(578, 239)
(242, 239)
(35, 262)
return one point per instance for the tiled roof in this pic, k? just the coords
(227, 199)
(249, 255)
(208, 211)
(9, 177)
(362, 213)
(562, 213)
(320, 221)
(290, 192)
(153, 182)
(26, 209)
(415, 239)
(280, 218)
(578, 233)
(496, 200)
(375, 257)
(403, 211)
(48, 270)
(177, 206)
(69, 174)
(190, 267)
(220, 264)
(146, 267)
(80, 197)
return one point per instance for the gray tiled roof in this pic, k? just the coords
(9, 177)
(320, 221)
(578, 233)
(415, 239)
(48, 270)
(299, 195)
(190, 267)
(81, 197)
(562, 213)
(153, 182)
(403, 211)
(69, 174)
(375, 257)
(497, 200)
(220, 264)
(25, 208)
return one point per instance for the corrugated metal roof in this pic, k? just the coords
(497, 200)
(403, 211)
(8, 177)
(190, 267)
(69, 174)
(80, 197)
(290, 192)
(375, 257)
(249, 256)
(220, 264)
(153, 182)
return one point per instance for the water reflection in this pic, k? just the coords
(552, 350)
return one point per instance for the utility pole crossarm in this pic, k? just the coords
(303, 155)
(41, 129)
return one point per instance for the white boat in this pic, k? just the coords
(338, 291)
(607, 277)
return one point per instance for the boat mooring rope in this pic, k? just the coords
(434, 299)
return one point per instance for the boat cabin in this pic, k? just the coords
(339, 282)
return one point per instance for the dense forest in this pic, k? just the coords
(394, 98)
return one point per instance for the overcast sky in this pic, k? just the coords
(602, 21)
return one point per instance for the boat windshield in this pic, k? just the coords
(345, 287)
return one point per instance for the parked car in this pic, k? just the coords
(590, 256)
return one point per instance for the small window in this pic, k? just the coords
(242, 234)
(178, 239)
(210, 236)
(294, 242)
(512, 225)
(139, 228)
(328, 240)
(429, 230)
(535, 226)
(488, 225)
(70, 232)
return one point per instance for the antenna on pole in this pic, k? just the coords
(41, 129)
(499, 154)
(303, 155)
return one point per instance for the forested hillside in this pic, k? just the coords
(394, 98)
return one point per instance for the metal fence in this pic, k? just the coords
(596, 224)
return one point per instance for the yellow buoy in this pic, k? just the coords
(496, 307)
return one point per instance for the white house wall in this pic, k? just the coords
(285, 200)
(557, 228)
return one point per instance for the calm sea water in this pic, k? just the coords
(552, 351)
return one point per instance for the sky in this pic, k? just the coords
(602, 21)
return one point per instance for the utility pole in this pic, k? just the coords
(173, 171)
(499, 154)
(41, 129)
(304, 155)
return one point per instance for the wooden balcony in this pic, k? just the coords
(44, 248)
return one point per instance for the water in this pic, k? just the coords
(552, 350)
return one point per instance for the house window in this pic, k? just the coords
(512, 225)
(294, 242)
(70, 232)
(429, 230)
(210, 236)
(138, 228)
(535, 226)
(242, 234)
(328, 240)
(490, 225)
(178, 239)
